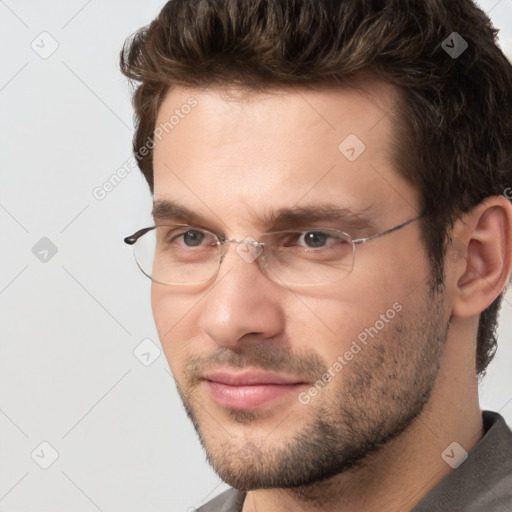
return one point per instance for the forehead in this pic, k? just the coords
(236, 151)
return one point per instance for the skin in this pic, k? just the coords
(387, 416)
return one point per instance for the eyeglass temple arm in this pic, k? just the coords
(130, 240)
(390, 230)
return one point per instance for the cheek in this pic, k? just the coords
(388, 271)
(174, 317)
(159, 299)
(171, 309)
(160, 308)
(330, 322)
(327, 324)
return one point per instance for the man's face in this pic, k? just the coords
(364, 352)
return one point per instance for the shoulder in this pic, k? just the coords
(483, 482)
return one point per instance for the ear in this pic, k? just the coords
(481, 256)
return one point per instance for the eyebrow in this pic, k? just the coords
(282, 218)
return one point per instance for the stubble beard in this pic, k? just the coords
(380, 394)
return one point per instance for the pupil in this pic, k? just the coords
(318, 239)
(193, 237)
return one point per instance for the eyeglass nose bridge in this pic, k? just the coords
(246, 255)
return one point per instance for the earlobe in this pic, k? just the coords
(487, 259)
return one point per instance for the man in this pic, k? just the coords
(367, 147)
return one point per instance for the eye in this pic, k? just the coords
(193, 237)
(183, 238)
(315, 239)
(310, 239)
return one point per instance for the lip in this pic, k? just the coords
(250, 377)
(249, 390)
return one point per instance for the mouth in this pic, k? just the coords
(249, 390)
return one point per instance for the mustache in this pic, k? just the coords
(265, 357)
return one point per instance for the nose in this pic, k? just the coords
(241, 301)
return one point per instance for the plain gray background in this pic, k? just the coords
(73, 305)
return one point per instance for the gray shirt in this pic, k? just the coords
(483, 482)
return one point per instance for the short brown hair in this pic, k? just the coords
(454, 129)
